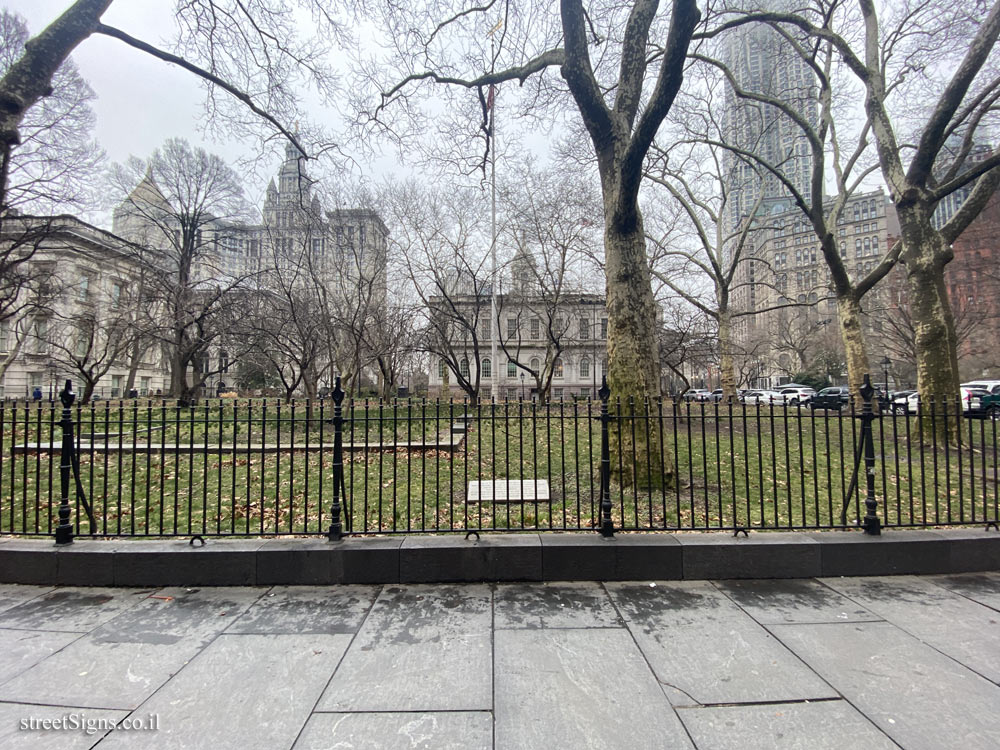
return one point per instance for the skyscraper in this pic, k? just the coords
(764, 62)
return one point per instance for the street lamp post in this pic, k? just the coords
(522, 386)
(886, 364)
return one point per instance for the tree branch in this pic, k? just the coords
(210, 77)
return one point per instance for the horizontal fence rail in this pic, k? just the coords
(260, 467)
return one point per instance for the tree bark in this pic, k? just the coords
(633, 359)
(925, 255)
(727, 367)
(855, 351)
(633, 356)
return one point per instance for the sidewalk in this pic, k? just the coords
(866, 663)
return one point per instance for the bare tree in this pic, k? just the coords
(439, 241)
(547, 223)
(695, 250)
(178, 204)
(49, 167)
(95, 338)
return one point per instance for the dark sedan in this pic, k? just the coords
(834, 398)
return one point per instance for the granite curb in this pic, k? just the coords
(496, 557)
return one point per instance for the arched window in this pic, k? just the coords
(535, 365)
(442, 369)
(557, 368)
(868, 245)
(463, 367)
(487, 368)
(511, 369)
(857, 212)
(584, 368)
(874, 208)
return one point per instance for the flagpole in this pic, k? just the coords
(495, 333)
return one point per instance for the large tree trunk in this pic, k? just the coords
(632, 344)
(855, 351)
(727, 367)
(633, 356)
(925, 254)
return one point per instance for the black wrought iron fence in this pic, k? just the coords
(239, 467)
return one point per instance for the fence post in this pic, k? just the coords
(871, 524)
(64, 531)
(336, 532)
(606, 528)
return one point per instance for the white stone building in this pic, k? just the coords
(78, 273)
(548, 341)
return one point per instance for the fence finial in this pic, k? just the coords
(604, 393)
(66, 395)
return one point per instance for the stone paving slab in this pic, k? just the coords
(447, 730)
(579, 688)
(707, 650)
(421, 648)
(823, 725)
(87, 727)
(77, 610)
(294, 609)
(919, 697)
(245, 692)
(776, 601)
(123, 662)
(12, 594)
(980, 587)
(919, 607)
(22, 649)
(553, 605)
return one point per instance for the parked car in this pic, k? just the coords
(797, 395)
(973, 401)
(899, 401)
(990, 404)
(993, 386)
(833, 398)
(762, 397)
(697, 394)
(976, 402)
(716, 395)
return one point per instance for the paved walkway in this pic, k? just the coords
(868, 663)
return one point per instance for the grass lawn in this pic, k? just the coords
(759, 469)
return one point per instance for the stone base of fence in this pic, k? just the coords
(496, 557)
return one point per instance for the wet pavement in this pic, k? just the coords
(909, 661)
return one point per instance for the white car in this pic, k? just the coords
(971, 401)
(763, 397)
(795, 396)
(993, 386)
